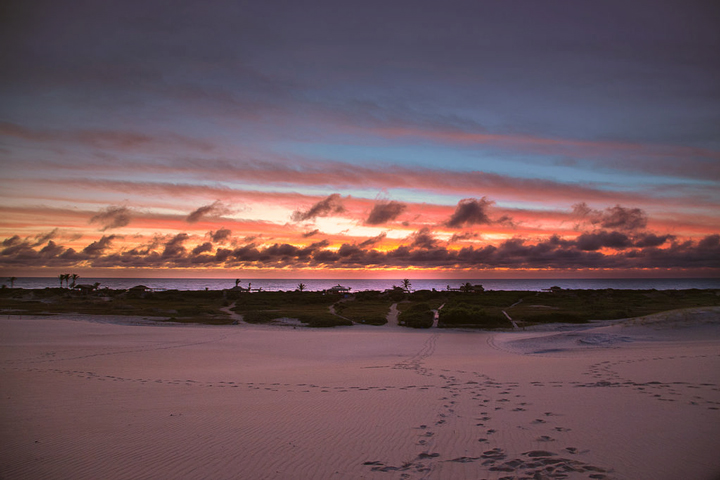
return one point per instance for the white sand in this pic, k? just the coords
(89, 400)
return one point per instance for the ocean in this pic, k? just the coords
(375, 284)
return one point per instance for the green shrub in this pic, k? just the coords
(326, 321)
(555, 317)
(418, 315)
(374, 321)
(259, 316)
(470, 315)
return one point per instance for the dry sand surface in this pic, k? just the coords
(86, 398)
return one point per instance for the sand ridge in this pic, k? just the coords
(91, 400)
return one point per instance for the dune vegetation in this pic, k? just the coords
(474, 309)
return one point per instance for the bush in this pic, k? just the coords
(418, 315)
(557, 317)
(470, 315)
(326, 321)
(374, 321)
(397, 294)
(259, 316)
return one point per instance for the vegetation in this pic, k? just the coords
(463, 314)
(367, 310)
(311, 308)
(417, 315)
(467, 309)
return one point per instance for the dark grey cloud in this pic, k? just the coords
(652, 240)
(222, 235)
(470, 211)
(623, 218)
(372, 241)
(51, 250)
(464, 236)
(617, 217)
(174, 247)
(202, 248)
(42, 238)
(602, 249)
(384, 212)
(213, 210)
(311, 233)
(597, 240)
(423, 239)
(332, 205)
(99, 247)
(112, 217)
(12, 241)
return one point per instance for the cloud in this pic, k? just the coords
(222, 235)
(329, 206)
(623, 218)
(215, 209)
(372, 241)
(470, 211)
(310, 233)
(651, 240)
(423, 239)
(617, 217)
(601, 249)
(42, 238)
(112, 217)
(463, 236)
(603, 239)
(174, 247)
(105, 139)
(384, 212)
(13, 241)
(202, 248)
(99, 247)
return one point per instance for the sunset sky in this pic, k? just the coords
(422, 139)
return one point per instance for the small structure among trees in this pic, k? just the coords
(339, 289)
(86, 288)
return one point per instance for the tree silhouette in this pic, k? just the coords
(61, 277)
(467, 288)
(74, 277)
(406, 285)
(237, 282)
(301, 287)
(12, 281)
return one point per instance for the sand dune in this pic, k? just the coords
(95, 399)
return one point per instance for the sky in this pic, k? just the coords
(337, 139)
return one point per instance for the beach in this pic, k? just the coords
(88, 397)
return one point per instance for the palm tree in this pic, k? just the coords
(301, 287)
(237, 282)
(12, 281)
(467, 288)
(61, 277)
(74, 277)
(406, 285)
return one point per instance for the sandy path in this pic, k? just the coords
(94, 400)
(235, 317)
